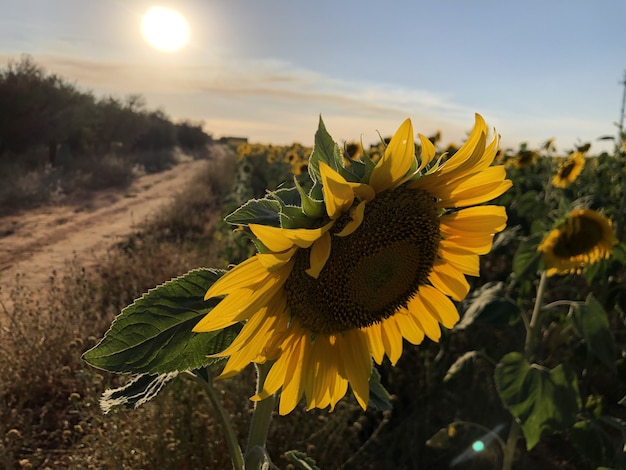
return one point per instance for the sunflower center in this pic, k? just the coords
(580, 236)
(567, 169)
(373, 272)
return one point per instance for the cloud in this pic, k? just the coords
(272, 101)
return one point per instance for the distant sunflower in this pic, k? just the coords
(584, 238)
(525, 158)
(389, 251)
(569, 170)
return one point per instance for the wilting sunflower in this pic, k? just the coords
(582, 239)
(569, 170)
(387, 250)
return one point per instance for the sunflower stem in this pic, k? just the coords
(231, 437)
(531, 334)
(529, 351)
(255, 454)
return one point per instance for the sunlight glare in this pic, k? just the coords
(165, 29)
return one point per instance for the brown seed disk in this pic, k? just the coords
(372, 272)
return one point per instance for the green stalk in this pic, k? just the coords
(529, 351)
(256, 454)
(231, 437)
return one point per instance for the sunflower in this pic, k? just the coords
(525, 158)
(569, 170)
(582, 239)
(382, 261)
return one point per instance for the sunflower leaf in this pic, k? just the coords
(135, 393)
(288, 196)
(592, 324)
(489, 305)
(256, 211)
(153, 335)
(526, 258)
(325, 150)
(592, 442)
(379, 396)
(544, 401)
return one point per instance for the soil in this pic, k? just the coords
(37, 242)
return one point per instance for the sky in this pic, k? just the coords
(267, 70)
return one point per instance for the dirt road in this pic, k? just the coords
(37, 242)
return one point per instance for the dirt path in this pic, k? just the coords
(37, 242)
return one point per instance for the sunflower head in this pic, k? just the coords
(569, 170)
(585, 237)
(525, 158)
(363, 256)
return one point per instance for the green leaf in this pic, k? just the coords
(256, 211)
(379, 396)
(543, 401)
(313, 208)
(292, 217)
(526, 259)
(300, 460)
(325, 150)
(528, 205)
(619, 253)
(592, 442)
(489, 305)
(288, 196)
(592, 324)
(153, 335)
(136, 392)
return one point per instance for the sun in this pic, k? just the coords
(165, 29)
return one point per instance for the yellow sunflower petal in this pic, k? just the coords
(470, 152)
(356, 214)
(281, 239)
(479, 244)
(473, 189)
(409, 329)
(397, 161)
(439, 306)
(364, 191)
(392, 339)
(466, 263)
(428, 152)
(338, 193)
(292, 386)
(320, 251)
(490, 218)
(356, 364)
(375, 342)
(449, 280)
(245, 274)
(259, 328)
(271, 261)
(243, 303)
(423, 317)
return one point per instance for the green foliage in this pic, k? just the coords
(325, 150)
(153, 335)
(488, 304)
(592, 325)
(544, 401)
(256, 211)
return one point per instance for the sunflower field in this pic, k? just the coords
(458, 306)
